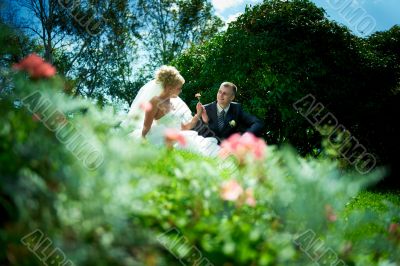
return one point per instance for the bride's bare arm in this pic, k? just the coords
(149, 116)
(192, 123)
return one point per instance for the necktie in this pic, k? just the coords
(221, 119)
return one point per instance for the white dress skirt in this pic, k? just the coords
(194, 142)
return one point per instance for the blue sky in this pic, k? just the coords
(373, 15)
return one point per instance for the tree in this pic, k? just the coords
(14, 44)
(41, 22)
(100, 62)
(280, 51)
(92, 43)
(170, 26)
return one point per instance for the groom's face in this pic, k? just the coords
(225, 96)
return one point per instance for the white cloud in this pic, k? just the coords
(233, 17)
(221, 5)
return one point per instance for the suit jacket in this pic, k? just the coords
(244, 122)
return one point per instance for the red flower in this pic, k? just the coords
(241, 146)
(172, 136)
(36, 67)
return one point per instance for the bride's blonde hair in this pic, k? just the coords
(169, 76)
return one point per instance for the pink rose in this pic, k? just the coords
(172, 136)
(249, 199)
(242, 145)
(231, 190)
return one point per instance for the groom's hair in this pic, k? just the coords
(230, 85)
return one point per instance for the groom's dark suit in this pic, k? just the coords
(236, 120)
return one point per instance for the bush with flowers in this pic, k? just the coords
(136, 204)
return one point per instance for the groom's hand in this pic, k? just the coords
(203, 113)
(199, 109)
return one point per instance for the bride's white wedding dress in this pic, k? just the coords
(180, 113)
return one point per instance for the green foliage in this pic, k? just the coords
(91, 43)
(174, 25)
(278, 52)
(111, 208)
(99, 63)
(95, 44)
(376, 201)
(14, 45)
(116, 213)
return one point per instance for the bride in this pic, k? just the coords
(157, 109)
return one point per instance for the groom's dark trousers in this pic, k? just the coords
(236, 121)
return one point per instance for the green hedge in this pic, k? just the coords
(278, 52)
(134, 204)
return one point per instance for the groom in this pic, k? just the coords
(225, 117)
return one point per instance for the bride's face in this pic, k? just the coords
(175, 90)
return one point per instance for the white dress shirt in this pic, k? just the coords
(219, 108)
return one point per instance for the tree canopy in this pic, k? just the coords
(280, 51)
(95, 44)
(277, 53)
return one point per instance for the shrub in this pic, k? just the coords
(135, 204)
